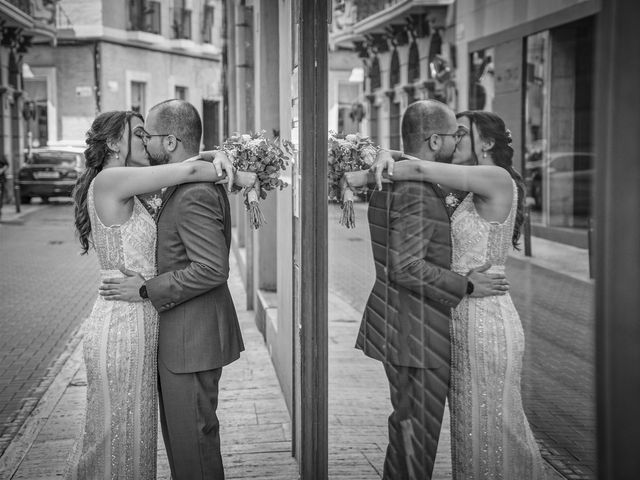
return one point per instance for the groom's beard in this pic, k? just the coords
(158, 158)
(443, 158)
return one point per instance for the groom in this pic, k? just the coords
(199, 329)
(406, 320)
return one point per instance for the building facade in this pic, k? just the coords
(23, 24)
(127, 55)
(530, 62)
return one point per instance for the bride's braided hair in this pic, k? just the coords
(108, 126)
(491, 126)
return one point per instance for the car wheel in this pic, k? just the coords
(25, 199)
(45, 199)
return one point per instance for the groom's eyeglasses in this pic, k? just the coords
(457, 136)
(145, 136)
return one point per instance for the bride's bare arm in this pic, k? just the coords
(122, 183)
(484, 180)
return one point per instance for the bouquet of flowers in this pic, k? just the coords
(266, 158)
(347, 153)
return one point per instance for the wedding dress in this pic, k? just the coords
(120, 433)
(490, 435)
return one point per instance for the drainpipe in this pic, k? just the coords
(97, 67)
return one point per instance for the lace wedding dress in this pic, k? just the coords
(120, 433)
(490, 435)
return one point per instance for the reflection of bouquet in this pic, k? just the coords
(266, 158)
(347, 153)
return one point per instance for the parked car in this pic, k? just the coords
(50, 172)
(569, 173)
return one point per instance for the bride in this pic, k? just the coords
(120, 433)
(490, 435)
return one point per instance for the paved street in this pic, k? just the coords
(556, 312)
(46, 290)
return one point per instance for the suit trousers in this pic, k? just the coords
(190, 427)
(418, 397)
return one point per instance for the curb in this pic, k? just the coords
(15, 218)
(37, 419)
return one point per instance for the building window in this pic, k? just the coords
(181, 20)
(181, 93)
(154, 20)
(207, 28)
(138, 93)
(144, 16)
(374, 74)
(373, 122)
(394, 125)
(413, 71)
(394, 69)
(347, 98)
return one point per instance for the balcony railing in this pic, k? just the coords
(24, 5)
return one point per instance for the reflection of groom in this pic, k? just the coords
(199, 330)
(406, 320)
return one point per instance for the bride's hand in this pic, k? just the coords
(221, 163)
(384, 161)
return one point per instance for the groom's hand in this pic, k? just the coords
(124, 289)
(487, 284)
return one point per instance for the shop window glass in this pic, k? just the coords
(482, 80)
(558, 145)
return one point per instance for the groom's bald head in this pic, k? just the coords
(422, 119)
(181, 119)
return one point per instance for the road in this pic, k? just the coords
(558, 381)
(46, 290)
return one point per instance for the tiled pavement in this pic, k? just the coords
(255, 426)
(46, 289)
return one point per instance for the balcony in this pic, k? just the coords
(352, 19)
(24, 5)
(37, 18)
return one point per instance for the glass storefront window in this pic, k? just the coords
(534, 131)
(482, 80)
(558, 145)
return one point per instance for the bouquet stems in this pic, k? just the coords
(348, 218)
(256, 218)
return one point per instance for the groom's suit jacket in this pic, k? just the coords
(199, 329)
(406, 319)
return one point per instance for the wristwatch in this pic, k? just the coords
(469, 287)
(143, 291)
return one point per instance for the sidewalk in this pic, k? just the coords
(255, 425)
(9, 214)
